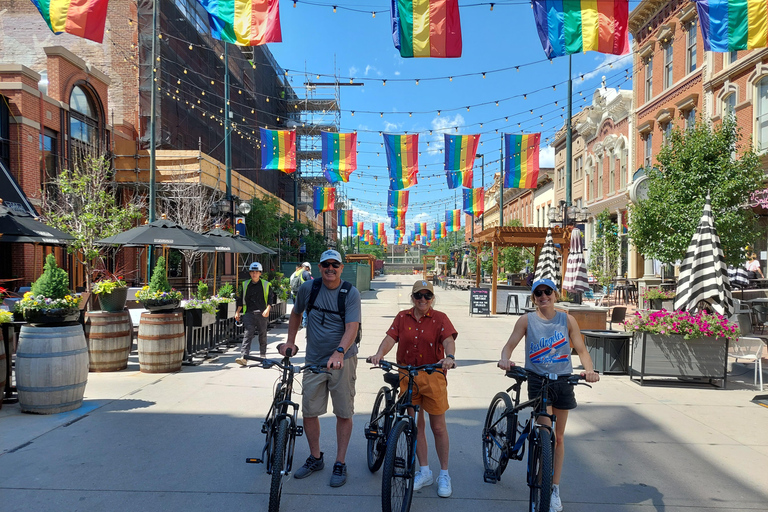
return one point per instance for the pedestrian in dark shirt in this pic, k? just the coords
(254, 301)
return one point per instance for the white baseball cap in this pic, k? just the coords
(306, 264)
(330, 255)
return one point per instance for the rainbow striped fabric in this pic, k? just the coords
(358, 228)
(474, 201)
(397, 202)
(453, 220)
(438, 230)
(417, 228)
(402, 159)
(324, 199)
(423, 229)
(81, 18)
(460, 151)
(345, 218)
(521, 160)
(729, 25)
(278, 150)
(432, 235)
(398, 221)
(574, 26)
(339, 156)
(426, 28)
(244, 22)
(443, 230)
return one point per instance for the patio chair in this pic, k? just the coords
(594, 296)
(618, 314)
(750, 350)
(759, 317)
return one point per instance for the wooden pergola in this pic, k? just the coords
(366, 259)
(509, 236)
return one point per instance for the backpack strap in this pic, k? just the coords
(316, 284)
(341, 305)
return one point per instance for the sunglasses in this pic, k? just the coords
(334, 264)
(539, 293)
(419, 296)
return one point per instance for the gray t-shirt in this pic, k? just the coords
(324, 330)
(546, 345)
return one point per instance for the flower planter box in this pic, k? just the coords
(609, 350)
(672, 356)
(160, 305)
(198, 318)
(226, 310)
(51, 317)
(668, 304)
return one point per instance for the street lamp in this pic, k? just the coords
(566, 216)
(482, 184)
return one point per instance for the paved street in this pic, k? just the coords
(179, 441)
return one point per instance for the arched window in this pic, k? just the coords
(761, 98)
(729, 105)
(83, 120)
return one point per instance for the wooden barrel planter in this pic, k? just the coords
(110, 338)
(161, 342)
(51, 368)
(3, 372)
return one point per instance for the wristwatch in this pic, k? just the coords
(451, 356)
(340, 350)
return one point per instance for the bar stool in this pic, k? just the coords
(512, 297)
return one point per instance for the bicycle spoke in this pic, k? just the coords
(498, 434)
(398, 473)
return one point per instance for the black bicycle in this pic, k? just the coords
(280, 425)
(391, 436)
(504, 437)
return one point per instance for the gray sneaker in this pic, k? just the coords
(339, 476)
(310, 466)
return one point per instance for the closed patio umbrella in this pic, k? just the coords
(226, 242)
(161, 232)
(703, 274)
(576, 279)
(548, 266)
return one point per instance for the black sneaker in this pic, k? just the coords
(310, 467)
(339, 476)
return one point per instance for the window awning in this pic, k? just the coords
(12, 195)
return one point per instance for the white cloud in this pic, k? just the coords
(441, 125)
(353, 71)
(546, 156)
(391, 127)
(369, 69)
(397, 73)
(602, 65)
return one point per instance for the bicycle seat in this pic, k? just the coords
(393, 379)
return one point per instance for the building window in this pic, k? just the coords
(691, 50)
(83, 120)
(599, 191)
(729, 105)
(690, 119)
(578, 167)
(668, 74)
(666, 131)
(623, 168)
(5, 131)
(649, 79)
(648, 157)
(761, 137)
(612, 173)
(732, 56)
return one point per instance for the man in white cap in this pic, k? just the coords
(333, 320)
(253, 304)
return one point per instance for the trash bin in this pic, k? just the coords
(609, 350)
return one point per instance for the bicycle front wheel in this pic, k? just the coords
(540, 471)
(498, 435)
(279, 455)
(378, 429)
(398, 473)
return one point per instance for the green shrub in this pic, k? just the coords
(54, 283)
(226, 291)
(159, 283)
(202, 290)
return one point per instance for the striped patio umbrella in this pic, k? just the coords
(548, 266)
(576, 279)
(703, 275)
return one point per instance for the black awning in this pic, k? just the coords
(12, 195)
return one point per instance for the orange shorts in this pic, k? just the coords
(429, 391)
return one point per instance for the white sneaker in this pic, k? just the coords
(422, 480)
(444, 488)
(555, 505)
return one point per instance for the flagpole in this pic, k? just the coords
(152, 136)
(568, 141)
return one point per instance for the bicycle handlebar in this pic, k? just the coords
(520, 373)
(285, 365)
(389, 366)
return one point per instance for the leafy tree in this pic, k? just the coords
(84, 202)
(693, 162)
(605, 250)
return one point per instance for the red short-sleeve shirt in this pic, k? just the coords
(421, 341)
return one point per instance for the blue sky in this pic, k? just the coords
(357, 45)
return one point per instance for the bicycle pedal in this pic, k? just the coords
(254, 461)
(299, 430)
(490, 477)
(371, 434)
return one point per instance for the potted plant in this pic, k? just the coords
(659, 299)
(281, 286)
(200, 310)
(6, 317)
(680, 344)
(50, 301)
(158, 295)
(225, 302)
(112, 292)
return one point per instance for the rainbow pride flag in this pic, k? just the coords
(278, 150)
(324, 199)
(345, 218)
(460, 151)
(574, 26)
(474, 201)
(358, 228)
(438, 231)
(81, 18)
(339, 156)
(521, 160)
(432, 235)
(397, 202)
(426, 28)
(728, 25)
(398, 221)
(453, 220)
(244, 22)
(443, 230)
(423, 229)
(402, 159)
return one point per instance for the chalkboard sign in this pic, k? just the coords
(479, 301)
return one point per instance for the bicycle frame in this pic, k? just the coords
(281, 408)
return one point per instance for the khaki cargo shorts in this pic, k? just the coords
(339, 383)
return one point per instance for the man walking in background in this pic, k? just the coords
(253, 304)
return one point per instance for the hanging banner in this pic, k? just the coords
(402, 160)
(521, 160)
(278, 150)
(339, 156)
(460, 151)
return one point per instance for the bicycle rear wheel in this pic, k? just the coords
(540, 471)
(398, 473)
(498, 435)
(378, 429)
(279, 456)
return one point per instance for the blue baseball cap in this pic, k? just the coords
(255, 266)
(546, 282)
